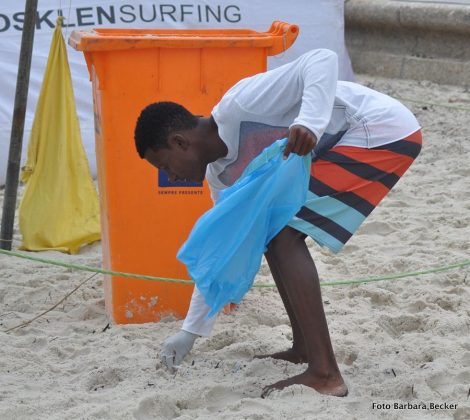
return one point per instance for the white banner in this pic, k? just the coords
(321, 26)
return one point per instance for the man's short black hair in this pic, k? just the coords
(157, 121)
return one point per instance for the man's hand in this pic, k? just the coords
(301, 141)
(175, 348)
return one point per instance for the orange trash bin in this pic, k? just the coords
(145, 219)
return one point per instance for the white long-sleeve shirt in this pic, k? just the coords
(259, 110)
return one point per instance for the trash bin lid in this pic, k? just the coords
(277, 39)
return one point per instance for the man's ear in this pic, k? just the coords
(178, 141)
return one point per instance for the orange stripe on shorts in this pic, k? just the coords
(385, 160)
(342, 180)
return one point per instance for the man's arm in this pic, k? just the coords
(195, 321)
(303, 91)
(317, 75)
(176, 347)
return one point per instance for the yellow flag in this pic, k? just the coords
(59, 210)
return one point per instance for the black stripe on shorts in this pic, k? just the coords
(349, 198)
(402, 147)
(361, 169)
(327, 225)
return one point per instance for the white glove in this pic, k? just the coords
(175, 349)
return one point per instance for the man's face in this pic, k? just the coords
(178, 160)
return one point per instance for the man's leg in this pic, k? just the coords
(298, 353)
(297, 272)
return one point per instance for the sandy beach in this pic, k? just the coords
(401, 344)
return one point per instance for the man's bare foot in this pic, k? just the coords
(324, 385)
(291, 355)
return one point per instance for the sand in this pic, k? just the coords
(397, 342)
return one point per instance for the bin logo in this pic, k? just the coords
(163, 181)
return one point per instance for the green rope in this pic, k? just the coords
(460, 264)
(92, 269)
(461, 107)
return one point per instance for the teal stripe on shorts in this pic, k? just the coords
(317, 234)
(335, 210)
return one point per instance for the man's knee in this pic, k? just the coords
(284, 240)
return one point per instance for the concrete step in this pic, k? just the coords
(422, 39)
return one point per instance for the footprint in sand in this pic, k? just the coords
(377, 297)
(220, 340)
(398, 203)
(448, 304)
(376, 228)
(346, 356)
(103, 378)
(86, 312)
(462, 413)
(160, 407)
(402, 324)
(444, 382)
(219, 397)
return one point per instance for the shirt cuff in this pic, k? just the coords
(196, 321)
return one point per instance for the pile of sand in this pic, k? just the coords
(401, 341)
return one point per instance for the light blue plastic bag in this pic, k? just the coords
(224, 250)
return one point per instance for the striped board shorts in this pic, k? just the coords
(347, 183)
